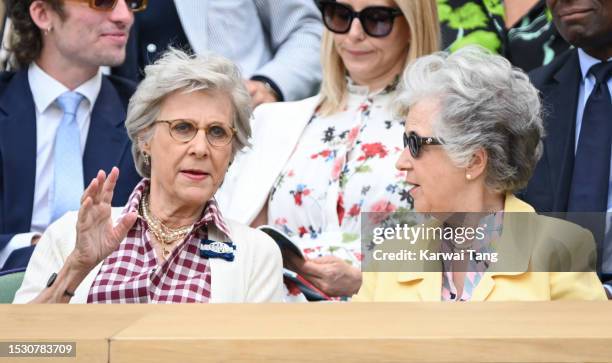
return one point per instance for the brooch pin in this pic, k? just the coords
(217, 249)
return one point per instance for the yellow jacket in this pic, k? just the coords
(495, 285)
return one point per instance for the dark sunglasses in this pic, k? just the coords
(376, 21)
(108, 5)
(414, 142)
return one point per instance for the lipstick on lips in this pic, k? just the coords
(357, 53)
(195, 174)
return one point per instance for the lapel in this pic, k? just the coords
(276, 132)
(107, 138)
(226, 280)
(516, 230)
(216, 235)
(18, 145)
(515, 242)
(562, 98)
(427, 271)
(430, 285)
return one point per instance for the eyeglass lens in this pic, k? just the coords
(216, 134)
(134, 5)
(376, 21)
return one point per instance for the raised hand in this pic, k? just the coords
(97, 237)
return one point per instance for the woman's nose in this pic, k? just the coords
(199, 145)
(404, 162)
(356, 30)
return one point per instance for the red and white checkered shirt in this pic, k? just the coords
(131, 274)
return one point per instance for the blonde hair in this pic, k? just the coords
(422, 19)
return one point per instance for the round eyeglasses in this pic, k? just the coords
(217, 134)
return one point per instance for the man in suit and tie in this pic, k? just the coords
(274, 42)
(61, 120)
(574, 175)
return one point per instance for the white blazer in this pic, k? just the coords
(276, 130)
(255, 275)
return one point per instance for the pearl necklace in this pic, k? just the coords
(165, 235)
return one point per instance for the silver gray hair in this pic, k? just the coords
(484, 102)
(176, 71)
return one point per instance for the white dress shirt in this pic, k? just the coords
(45, 90)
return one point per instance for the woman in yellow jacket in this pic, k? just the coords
(473, 137)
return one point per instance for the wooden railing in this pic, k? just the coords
(339, 332)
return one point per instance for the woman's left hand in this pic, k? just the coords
(332, 275)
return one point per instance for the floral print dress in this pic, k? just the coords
(343, 164)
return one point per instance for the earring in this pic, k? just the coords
(47, 31)
(468, 176)
(147, 159)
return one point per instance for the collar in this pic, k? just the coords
(211, 215)
(352, 87)
(515, 223)
(46, 89)
(586, 62)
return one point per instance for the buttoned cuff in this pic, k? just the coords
(274, 86)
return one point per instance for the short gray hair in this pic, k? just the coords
(179, 71)
(484, 102)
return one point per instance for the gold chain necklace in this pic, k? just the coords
(165, 235)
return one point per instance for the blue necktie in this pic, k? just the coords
(591, 176)
(68, 170)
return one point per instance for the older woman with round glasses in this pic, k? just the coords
(171, 243)
(316, 164)
(473, 137)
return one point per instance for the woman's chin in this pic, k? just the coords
(421, 208)
(420, 205)
(196, 195)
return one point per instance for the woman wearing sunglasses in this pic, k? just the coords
(170, 243)
(107, 5)
(473, 138)
(315, 165)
